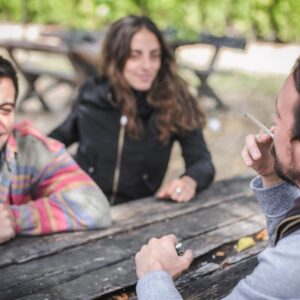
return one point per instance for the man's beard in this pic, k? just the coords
(289, 175)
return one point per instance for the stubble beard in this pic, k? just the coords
(289, 175)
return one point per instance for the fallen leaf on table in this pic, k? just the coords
(220, 253)
(122, 296)
(245, 243)
(262, 235)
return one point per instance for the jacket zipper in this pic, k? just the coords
(116, 179)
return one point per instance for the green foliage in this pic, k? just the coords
(268, 19)
(10, 10)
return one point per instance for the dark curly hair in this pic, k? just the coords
(8, 71)
(176, 108)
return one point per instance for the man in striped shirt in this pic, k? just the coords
(42, 189)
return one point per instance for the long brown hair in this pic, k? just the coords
(177, 110)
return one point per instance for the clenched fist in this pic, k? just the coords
(160, 255)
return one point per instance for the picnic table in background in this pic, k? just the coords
(100, 264)
(82, 49)
(85, 48)
(217, 42)
(33, 72)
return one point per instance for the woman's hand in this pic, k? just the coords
(181, 189)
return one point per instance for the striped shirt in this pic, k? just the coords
(45, 189)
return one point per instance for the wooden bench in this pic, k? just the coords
(32, 73)
(100, 264)
(83, 50)
(218, 43)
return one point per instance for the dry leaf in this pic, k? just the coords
(262, 235)
(122, 296)
(220, 253)
(245, 243)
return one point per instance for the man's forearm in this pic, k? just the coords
(157, 286)
(275, 201)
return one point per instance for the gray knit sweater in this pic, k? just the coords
(278, 272)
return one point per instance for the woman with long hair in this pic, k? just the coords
(127, 119)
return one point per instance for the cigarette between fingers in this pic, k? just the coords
(259, 124)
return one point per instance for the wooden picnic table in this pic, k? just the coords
(99, 264)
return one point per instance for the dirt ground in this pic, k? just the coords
(246, 81)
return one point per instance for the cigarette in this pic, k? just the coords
(260, 125)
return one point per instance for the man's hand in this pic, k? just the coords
(181, 189)
(160, 255)
(257, 155)
(7, 224)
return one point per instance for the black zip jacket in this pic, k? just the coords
(95, 123)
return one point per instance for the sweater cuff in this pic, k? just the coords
(276, 200)
(157, 285)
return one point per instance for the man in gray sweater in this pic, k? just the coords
(277, 162)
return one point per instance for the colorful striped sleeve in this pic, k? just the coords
(62, 197)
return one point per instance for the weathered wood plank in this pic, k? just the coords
(219, 284)
(225, 234)
(119, 276)
(91, 277)
(113, 249)
(219, 192)
(200, 271)
(201, 268)
(215, 286)
(126, 217)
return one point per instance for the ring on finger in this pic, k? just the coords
(178, 190)
(179, 249)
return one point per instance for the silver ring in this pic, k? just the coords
(179, 249)
(178, 190)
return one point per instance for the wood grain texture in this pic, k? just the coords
(89, 265)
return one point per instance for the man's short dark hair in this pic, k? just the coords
(8, 71)
(296, 77)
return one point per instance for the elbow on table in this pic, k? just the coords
(211, 174)
(97, 209)
(207, 177)
(103, 218)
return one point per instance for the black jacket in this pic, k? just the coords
(95, 124)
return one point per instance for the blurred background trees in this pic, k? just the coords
(275, 20)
